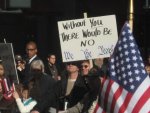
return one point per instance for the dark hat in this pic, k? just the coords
(76, 63)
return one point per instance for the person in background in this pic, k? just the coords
(148, 59)
(1, 90)
(42, 88)
(7, 87)
(2, 74)
(20, 65)
(51, 67)
(88, 102)
(100, 66)
(31, 52)
(25, 103)
(6, 99)
(85, 67)
(147, 67)
(1, 80)
(71, 88)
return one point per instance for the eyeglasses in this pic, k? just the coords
(85, 66)
(30, 49)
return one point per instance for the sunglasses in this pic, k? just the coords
(85, 66)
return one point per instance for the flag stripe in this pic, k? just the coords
(7, 89)
(103, 92)
(99, 110)
(137, 95)
(96, 108)
(125, 103)
(132, 83)
(107, 94)
(145, 108)
(103, 80)
(120, 100)
(6, 85)
(114, 88)
(142, 101)
(115, 97)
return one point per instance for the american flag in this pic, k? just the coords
(128, 89)
(8, 88)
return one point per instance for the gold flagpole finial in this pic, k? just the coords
(131, 13)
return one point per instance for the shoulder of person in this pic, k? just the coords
(37, 58)
(47, 77)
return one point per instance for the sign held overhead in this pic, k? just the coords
(87, 38)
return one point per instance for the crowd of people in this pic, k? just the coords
(43, 88)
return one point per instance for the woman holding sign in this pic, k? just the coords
(6, 89)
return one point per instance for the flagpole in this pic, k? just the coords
(131, 13)
(91, 62)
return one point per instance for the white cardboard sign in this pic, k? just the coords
(88, 38)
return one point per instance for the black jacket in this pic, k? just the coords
(42, 91)
(26, 72)
(52, 70)
(76, 94)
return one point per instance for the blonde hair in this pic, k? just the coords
(37, 65)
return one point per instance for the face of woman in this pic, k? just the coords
(1, 70)
(72, 68)
(85, 67)
(0, 87)
(148, 69)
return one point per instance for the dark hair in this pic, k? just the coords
(50, 54)
(76, 63)
(32, 43)
(25, 87)
(87, 61)
(93, 82)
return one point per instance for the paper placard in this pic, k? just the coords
(87, 38)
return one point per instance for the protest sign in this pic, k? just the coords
(87, 38)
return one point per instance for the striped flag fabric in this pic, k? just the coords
(128, 88)
(8, 89)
